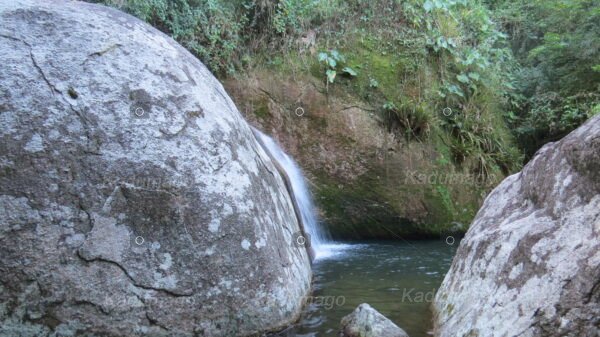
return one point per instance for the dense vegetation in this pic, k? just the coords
(557, 44)
(487, 83)
(451, 53)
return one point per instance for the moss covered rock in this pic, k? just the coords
(368, 181)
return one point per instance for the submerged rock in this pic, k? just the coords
(530, 263)
(135, 199)
(365, 321)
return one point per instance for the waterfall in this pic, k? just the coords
(318, 239)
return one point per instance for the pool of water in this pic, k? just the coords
(397, 279)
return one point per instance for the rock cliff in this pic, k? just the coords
(368, 182)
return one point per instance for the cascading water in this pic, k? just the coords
(318, 238)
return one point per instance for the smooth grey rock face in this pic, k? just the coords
(365, 321)
(530, 263)
(134, 198)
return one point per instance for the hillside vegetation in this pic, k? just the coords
(475, 86)
(557, 45)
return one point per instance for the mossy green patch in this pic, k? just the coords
(449, 309)
(365, 209)
(359, 211)
(261, 109)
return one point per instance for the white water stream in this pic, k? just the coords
(316, 236)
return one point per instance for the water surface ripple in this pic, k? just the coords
(398, 279)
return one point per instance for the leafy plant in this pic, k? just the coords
(475, 139)
(335, 64)
(549, 117)
(224, 33)
(557, 44)
(211, 29)
(414, 119)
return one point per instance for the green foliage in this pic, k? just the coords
(557, 43)
(414, 119)
(335, 64)
(211, 29)
(549, 116)
(477, 140)
(466, 66)
(559, 39)
(419, 56)
(291, 15)
(470, 49)
(224, 34)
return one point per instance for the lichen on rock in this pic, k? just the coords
(135, 198)
(365, 321)
(530, 263)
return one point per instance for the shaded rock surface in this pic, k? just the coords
(530, 263)
(134, 198)
(365, 321)
(368, 182)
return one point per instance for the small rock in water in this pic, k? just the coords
(365, 321)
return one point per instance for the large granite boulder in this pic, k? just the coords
(530, 263)
(365, 321)
(134, 200)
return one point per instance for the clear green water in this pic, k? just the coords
(397, 279)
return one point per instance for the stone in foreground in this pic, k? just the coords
(530, 263)
(135, 199)
(365, 321)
